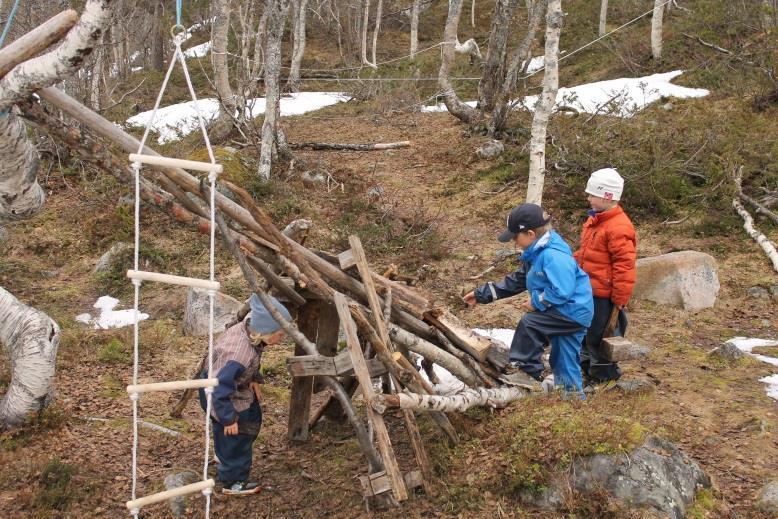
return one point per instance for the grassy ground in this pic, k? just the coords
(441, 206)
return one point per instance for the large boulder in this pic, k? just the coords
(656, 475)
(196, 312)
(768, 498)
(686, 278)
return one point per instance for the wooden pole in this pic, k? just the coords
(37, 40)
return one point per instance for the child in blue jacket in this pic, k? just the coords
(559, 308)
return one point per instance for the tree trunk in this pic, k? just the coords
(157, 43)
(365, 20)
(603, 17)
(455, 107)
(494, 68)
(20, 194)
(30, 339)
(414, 28)
(300, 8)
(378, 14)
(545, 104)
(656, 29)
(221, 72)
(278, 10)
(259, 38)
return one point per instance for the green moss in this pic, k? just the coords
(114, 352)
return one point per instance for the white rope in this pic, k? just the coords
(177, 56)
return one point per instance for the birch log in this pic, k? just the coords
(656, 29)
(30, 339)
(459, 403)
(761, 239)
(298, 49)
(275, 31)
(545, 105)
(603, 17)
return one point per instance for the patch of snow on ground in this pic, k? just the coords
(746, 345)
(622, 97)
(198, 51)
(504, 335)
(175, 121)
(110, 318)
(449, 384)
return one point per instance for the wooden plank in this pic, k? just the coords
(340, 365)
(378, 483)
(302, 387)
(346, 259)
(362, 374)
(36, 40)
(460, 334)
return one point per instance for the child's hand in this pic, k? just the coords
(469, 298)
(231, 430)
(256, 387)
(527, 305)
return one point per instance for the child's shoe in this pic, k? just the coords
(240, 488)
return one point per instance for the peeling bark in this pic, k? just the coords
(30, 339)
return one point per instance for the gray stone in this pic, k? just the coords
(176, 480)
(128, 200)
(503, 254)
(773, 290)
(3, 234)
(687, 278)
(196, 312)
(638, 385)
(768, 498)
(312, 178)
(728, 351)
(375, 192)
(758, 292)
(490, 150)
(667, 106)
(656, 475)
(107, 260)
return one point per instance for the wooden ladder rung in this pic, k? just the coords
(173, 385)
(173, 280)
(169, 162)
(167, 494)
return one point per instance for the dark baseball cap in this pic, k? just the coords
(523, 218)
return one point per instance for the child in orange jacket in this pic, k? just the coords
(608, 254)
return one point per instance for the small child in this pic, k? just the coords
(559, 308)
(236, 415)
(608, 254)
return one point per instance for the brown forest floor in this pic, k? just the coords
(718, 414)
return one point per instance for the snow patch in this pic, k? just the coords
(448, 383)
(503, 335)
(746, 345)
(198, 51)
(110, 318)
(175, 121)
(622, 97)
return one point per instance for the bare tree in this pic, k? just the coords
(455, 107)
(30, 337)
(415, 28)
(545, 105)
(376, 29)
(300, 8)
(219, 40)
(496, 54)
(656, 29)
(603, 17)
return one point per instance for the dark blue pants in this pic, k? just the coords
(235, 452)
(537, 329)
(593, 363)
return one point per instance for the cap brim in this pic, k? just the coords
(506, 236)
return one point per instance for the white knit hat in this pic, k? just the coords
(606, 183)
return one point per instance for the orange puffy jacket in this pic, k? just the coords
(608, 254)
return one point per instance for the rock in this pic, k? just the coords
(728, 351)
(127, 200)
(758, 292)
(687, 278)
(504, 254)
(107, 260)
(638, 385)
(196, 312)
(176, 480)
(768, 498)
(655, 475)
(3, 234)
(375, 192)
(490, 150)
(667, 106)
(773, 288)
(312, 178)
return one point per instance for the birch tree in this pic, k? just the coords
(448, 52)
(219, 40)
(545, 104)
(603, 17)
(415, 28)
(298, 49)
(29, 337)
(494, 67)
(272, 137)
(376, 30)
(656, 29)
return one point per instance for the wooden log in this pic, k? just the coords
(378, 483)
(617, 349)
(275, 280)
(173, 280)
(461, 402)
(302, 386)
(460, 333)
(36, 40)
(467, 360)
(362, 374)
(349, 147)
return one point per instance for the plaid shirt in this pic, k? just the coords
(236, 364)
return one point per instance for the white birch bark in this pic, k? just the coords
(761, 239)
(30, 339)
(300, 9)
(20, 194)
(415, 28)
(603, 17)
(278, 10)
(458, 403)
(365, 20)
(376, 30)
(455, 107)
(656, 29)
(545, 105)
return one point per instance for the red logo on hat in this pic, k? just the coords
(608, 196)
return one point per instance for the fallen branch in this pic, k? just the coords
(761, 239)
(759, 207)
(461, 402)
(349, 147)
